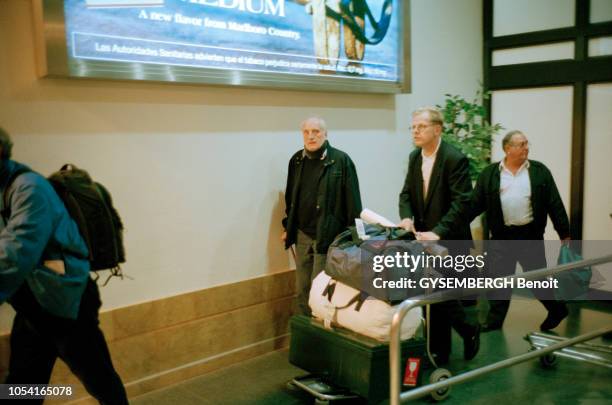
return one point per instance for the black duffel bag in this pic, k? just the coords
(350, 260)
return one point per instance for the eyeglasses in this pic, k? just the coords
(420, 127)
(523, 144)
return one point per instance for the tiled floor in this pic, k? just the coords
(263, 380)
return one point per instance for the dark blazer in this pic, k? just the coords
(448, 196)
(545, 200)
(338, 199)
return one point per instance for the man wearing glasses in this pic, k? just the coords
(517, 195)
(432, 203)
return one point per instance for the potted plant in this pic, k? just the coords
(467, 128)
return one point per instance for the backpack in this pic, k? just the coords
(90, 205)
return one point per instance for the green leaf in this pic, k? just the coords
(467, 129)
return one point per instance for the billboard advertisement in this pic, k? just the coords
(252, 42)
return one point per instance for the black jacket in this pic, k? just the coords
(338, 199)
(545, 200)
(448, 194)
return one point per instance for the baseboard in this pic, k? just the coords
(163, 342)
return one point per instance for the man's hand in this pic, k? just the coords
(407, 224)
(427, 236)
(284, 236)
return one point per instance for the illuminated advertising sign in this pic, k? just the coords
(354, 45)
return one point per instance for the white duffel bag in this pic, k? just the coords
(338, 304)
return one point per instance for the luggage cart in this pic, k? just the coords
(325, 388)
(397, 396)
(600, 355)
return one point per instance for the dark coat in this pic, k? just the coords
(448, 196)
(338, 199)
(545, 200)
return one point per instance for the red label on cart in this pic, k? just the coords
(412, 371)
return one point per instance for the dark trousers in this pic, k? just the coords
(516, 244)
(39, 338)
(444, 317)
(452, 314)
(309, 263)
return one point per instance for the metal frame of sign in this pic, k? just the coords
(54, 62)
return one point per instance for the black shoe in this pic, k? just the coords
(489, 327)
(554, 318)
(471, 344)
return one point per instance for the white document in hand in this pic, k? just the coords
(371, 217)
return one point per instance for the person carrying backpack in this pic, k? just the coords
(44, 275)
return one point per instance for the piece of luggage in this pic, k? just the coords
(350, 260)
(335, 303)
(352, 361)
(573, 284)
(90, 205)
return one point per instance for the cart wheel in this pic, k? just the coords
(440, 374)
(548, 360)
(321, 401)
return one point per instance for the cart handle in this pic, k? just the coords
(395, 350)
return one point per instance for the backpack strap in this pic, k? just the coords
(6, 209)
(329, 290)
(358, 299)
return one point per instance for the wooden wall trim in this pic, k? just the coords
(163, 342)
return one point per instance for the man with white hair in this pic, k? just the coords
(322, 198)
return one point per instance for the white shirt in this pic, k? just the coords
(427, 166)
(515, 195)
